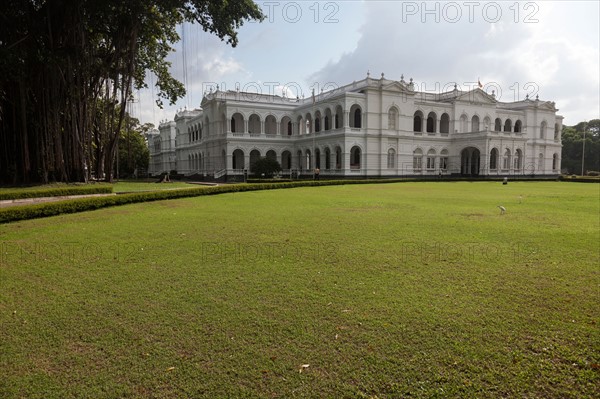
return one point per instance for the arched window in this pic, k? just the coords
(417, 160)
(555, 162)
(327, 158)
(238, 159)
(431, 122)
(556, 132)
(494, 159)
(518, 161)
(444, 159)
(497, 125)
(508, 126)
(543, 128)
(392, 118)
(518, 126)
(327, 119)
(355, 158)
(391, 158)
(309, 124)
(270, 125)
(506, 160)
(232, 124)
(445, 123)
(318, 121)
(206, 126)
(308, 159)
(418, 122)
(338, 158)
(285, 127)
(254, 156)
(286, 160)
(355, 117)
(271, 155)
(475, 123)
(431, 159)
(254, 124)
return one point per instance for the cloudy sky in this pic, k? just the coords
(545, 48)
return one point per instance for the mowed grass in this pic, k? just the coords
(413, 290)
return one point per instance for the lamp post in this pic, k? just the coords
(583, 151)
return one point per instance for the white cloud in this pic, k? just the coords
(565, 68)
(559, 53)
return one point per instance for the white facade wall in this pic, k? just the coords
(457, 134)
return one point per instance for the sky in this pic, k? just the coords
(549, 49)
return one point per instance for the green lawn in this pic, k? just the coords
(413, 290)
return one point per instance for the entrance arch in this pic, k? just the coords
(238, 159)
(469, 161)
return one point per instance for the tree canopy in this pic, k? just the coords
(572, 141)
(68, 68)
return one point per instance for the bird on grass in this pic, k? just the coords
(502, 209)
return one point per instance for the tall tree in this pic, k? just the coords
(68, 68)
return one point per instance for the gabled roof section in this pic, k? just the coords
(476, 96)
(398, 87)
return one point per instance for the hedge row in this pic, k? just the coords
(580, 179)
(11, 194)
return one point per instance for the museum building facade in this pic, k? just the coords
(369, 128)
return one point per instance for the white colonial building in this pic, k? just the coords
(370, 128)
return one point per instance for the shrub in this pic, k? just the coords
(265, 167)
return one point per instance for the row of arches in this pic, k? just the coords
(302, 124)
(470, 161)
(327, 120)
(196, 161)
(332, 159)
(507, 157)
(433, 161)
(328, 159)
(430, 124)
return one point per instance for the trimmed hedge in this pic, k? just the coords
(17, 193)
(16, 213)
(580, 179)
